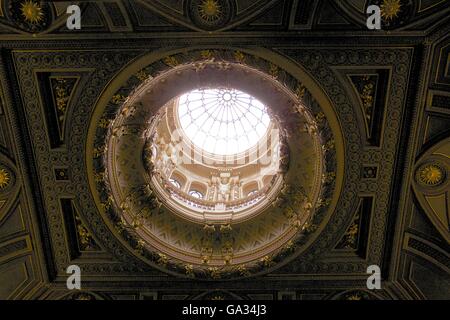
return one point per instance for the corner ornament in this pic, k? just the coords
(431, 174)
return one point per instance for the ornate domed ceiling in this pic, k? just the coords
(141, 191)
(170, 146)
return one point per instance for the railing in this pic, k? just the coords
(209, 205)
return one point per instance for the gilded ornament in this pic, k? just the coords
(300, 91)
(106, 205)
(274, 70)
(86, 241)
(431, 174)
(83, 296)
(98, 151)
(136, 222)
(222, 65)
(225, 228)
(210, 10)
(207, 54)
(171, 61)
(214, 272)
(62, 94)
(141, 75)
(162, 259)
(296, 223)
(309, 227)
(329, 177)
(189, 270)
(266, 261)
(4, 179)
(117, 98)
(390, 9)
(320, 117)
(289, 245)
(329, 145)
(104, 123)
(323, 202)
(242, 269)
(32, 12)
(99, 176)
(289, 212)
(354, 297)
(239, 56)
(367, 97)
(140, 246)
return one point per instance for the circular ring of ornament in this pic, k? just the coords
(220, 249)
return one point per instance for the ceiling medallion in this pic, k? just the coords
(181, 183)
(210, 14)
(7, 178)
(431, 174)
(30, 15)
(4, 178)
(32, 12)
(210, 10)
(390, 9)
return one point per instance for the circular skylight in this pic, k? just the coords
(222, 121)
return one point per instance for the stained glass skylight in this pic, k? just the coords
(222, 121)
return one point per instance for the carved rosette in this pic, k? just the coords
(7, 178)
(210, 14)
(30, 15)
(431, 174)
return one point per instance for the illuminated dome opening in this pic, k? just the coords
(191, 152)
(222, 121)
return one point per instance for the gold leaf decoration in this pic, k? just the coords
(390, 9)
(367, 97)
(104, 123)
(189, 270)
(300, 91)
(350, 238)
(171, 61)
(431, 174)
(98, 151)
(32, 12)
(140, 246)
(329, 177)
(274, 70)
(239, 56)
(207, 54)
(266, 261)
(141, 75)
(162, 259)
(4, 179)
(309, 227)
(366, 86)
(85, 240)
(243, 271)
(62, 90)
(323, 202)
(210, 10)
(117, 98)
(214, 272)
(320, 117)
